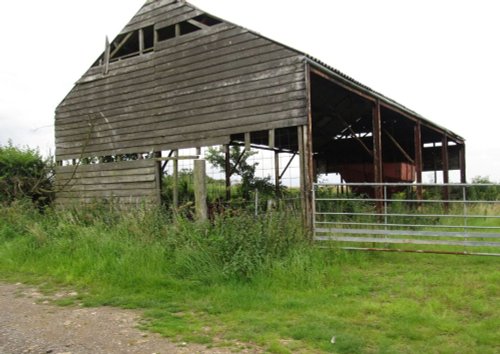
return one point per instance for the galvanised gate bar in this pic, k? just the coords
(425, 218)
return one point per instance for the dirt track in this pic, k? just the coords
(30, 324)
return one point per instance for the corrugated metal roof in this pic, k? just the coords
(351, 81)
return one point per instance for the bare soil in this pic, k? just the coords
(30, 323)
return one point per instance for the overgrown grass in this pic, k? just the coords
(257, 281)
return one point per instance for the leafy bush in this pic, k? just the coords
(24, 174)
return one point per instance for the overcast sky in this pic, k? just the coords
(439, 58)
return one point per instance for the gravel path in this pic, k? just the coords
(30, 324)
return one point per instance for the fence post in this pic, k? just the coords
(200, 190)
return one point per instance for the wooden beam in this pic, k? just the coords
(118, 47)
(164, 166)
(344, 86)
(377, 154)
(308, 152)
(141, 41)
(227, 170)
(287, 165)
(277, 173)
(271, 138)
(398, 146)
(445, 159)
(187, 157)
(200, 190)
(107, 55)
(248, 142)
(175, 187)
(353, 135)
(462, 162)
(303, 174)
(198, 24)
(158, 177)
(377, 143)
(418, 158)
(445, 168)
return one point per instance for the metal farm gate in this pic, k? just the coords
(397, 217)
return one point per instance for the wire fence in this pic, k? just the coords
(258, 194)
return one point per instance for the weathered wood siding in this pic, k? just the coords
(192, 90)
(127, 182)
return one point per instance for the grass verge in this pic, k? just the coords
(247, 280)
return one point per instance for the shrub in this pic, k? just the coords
(24, 174)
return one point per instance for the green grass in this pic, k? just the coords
(256, 281)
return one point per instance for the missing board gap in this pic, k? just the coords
(207, 20)
(186, 28)
(166, 33)
(149, 41)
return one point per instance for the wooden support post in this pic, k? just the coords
(418, 158)
(175, 187)
(158, 177)
(227, 170)
(306, 184)
(277, 173)
(200, 190)
(141, 41)
(272, 139)
(377, 154)
(107, 56)
(307, 157)
(303, 174)
(155, 38)
(446, 169)
(463, 175)
(248, 142)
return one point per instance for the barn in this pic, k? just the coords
(177, 77)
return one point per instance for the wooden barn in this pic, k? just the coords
(177, 77)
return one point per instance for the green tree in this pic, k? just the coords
(483, 189)
(240, 166)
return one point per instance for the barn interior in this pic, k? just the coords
(357, 132)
